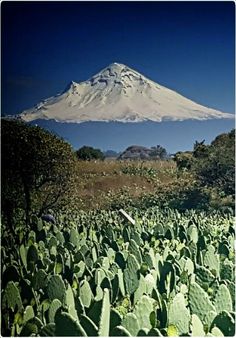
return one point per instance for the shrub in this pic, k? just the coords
(215, 166)
(184, 160)
(36, 168)
(89, 153)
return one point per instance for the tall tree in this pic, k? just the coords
(36, 168)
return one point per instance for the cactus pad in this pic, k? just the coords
(11, 297)
(225, 322)
(66, 325)
(131, 278)
(120, 331)
(90, 328)
(211, 260)
(54, 306)
(178, 314)
(199, 301)
(85, 293)
(56, 288)
(197, 327)
(104, 322)
(223, 300)
(130, 322)
(142, 310)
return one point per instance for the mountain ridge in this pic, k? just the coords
(119, 93)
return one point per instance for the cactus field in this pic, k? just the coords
(94, 273)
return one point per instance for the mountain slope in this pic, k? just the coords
(118, 93)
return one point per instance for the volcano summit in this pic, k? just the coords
(119, 93)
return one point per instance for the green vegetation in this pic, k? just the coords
(89, 153)
(92, 272)
(94, 265)
(214, 164)
(36, 169)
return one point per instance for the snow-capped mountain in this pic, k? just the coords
(119, 93)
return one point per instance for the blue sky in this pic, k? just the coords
(186, 46)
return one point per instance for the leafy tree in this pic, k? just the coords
(89, 153)
(37, 168)
(158, 152)
(184, 160)
(200, 150)
(215, 167)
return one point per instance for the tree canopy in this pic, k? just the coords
(36, 167)
(215, 164)
(89, 153)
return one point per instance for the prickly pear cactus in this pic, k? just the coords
(130, 322)
(131, 278)
(120, 260)
(40, 279)
(54, 306)
(142, 311)
(211, 260)
(210, 316)
(11, 297)
(85, 293)
(178, 314)
(227, 270)
(186, 264)
(192, 233)
(223, 300)
(32, 254)
(197, 327)
(48, 330)
(149, 283)
(120, 331)
(121, 282)
(225, 322)
(74, 237)
(204, 275)
(66, 325)
(104, 322)
(70, 302)
(115, 319)
(216, 332)
(89, 326)
(31, 327)
(134, 249)
(28, 313)
(23, 255)
(56, 288)
(199, 301)
(167, 271)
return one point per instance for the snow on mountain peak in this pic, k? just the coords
(119, 93)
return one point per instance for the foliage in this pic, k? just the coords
(36, 168)
(110, 277)
(89, 153)
(184, 160)
(215, 164)
(158, 152)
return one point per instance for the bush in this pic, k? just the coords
(36, 168)
(158, 152)
(214, 165)
(89, 153)
(184, 160)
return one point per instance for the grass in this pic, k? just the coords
(99, 182)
